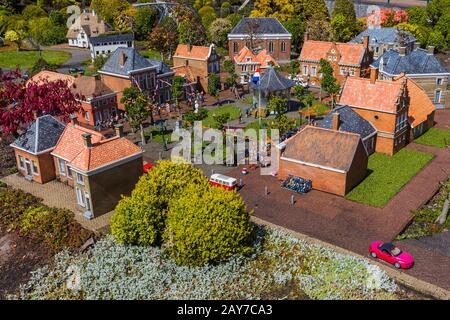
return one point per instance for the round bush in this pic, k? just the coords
(207, 225)
(140, 219)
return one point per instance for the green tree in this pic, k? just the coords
(417, 15)
(228, 66)
(283, 10)
(343, 30)
(283, 124)
(278, 105)
(234, 18)
(164, 37)
(15, 36)
(140, 218)
(109, 9)
(328, 82)
(319, 30)
(41, 65)
(177, 89)
(190, 117)
(144, 21)
(214, 86)
(295, 67)
(225, 9)
(437, 39)
(306, 10)
(346, 8)
(100, 61)
(309, 100)
(207, 225)
(218, 32)
(32, 11)
(221, 120)
(297, 28)
(436, 8)
(137, 106)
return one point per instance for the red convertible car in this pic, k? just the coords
(390, 253)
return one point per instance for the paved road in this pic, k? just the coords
(78, 57)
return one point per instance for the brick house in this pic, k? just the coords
(126, 68)
(422, 66)
(100, 170)
(335, 161)
(261, 34)
(98, 103)
(200, 62)
(347, 59)
(33, 149)
(246, 62)
(383, 39)
(86, 25)
(399, 109)
(343, 118)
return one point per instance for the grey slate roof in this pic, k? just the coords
(350, 121)
(265, 26)
(111, 38)
(161, 67)
(134, 61)
(42, 134)
(271, 81)
(417, 61)
(381, 35)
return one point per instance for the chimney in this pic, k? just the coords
(305, 37)
(73, 119)
(365, 41)
(335, 122)
(402, 51)
(430, 49)
(373, 75)
(122, 58)
(35, 114)
(119, 130)
(416, 45)
(87, 140)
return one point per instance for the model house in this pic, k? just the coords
(107, 43)
(247, 61)
(335, 161)
(100, 170)
(126, 68)
(384, 39)
(85, 26)
(164, 81)
(393, 107)
(260, 34)
(420, 65)
(33, 149)
(347, 59)
(98, 101)
(198, 61)
(343, 118)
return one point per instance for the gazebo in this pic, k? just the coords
(271, 84)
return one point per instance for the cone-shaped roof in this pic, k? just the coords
(271, 81)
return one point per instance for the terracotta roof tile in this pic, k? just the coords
(263, 58)
(197, 52)
(351, 53)
(324, 147)
(185, 72)
(420, 105)
(380, 96)
(90, 87)
(51, 76)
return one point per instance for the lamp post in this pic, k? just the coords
(256, 81)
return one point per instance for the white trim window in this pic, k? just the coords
(342, 70)
(80, 197)
(21, 163)
(34, 168)
(313, 71)
(62, 167)
(80, 178)
(437, 96)
(69, 172)
(305, 70)
(283, 46)
(235, 47)
(439, 81)
(270, 46)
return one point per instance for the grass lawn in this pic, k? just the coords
(389, 175)
(26, 59)
(435, 137)
(230, 108)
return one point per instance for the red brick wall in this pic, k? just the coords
(44, 163)
(358, 169)
(264, 43)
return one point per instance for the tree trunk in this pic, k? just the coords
(142, 134)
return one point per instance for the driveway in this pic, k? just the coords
(78, 57)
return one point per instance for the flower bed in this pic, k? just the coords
(281, 267)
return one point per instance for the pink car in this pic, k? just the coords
(390, 253)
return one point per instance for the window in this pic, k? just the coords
(342, 70)
(21, 163)
(35, 168)
(270, 46)
(313, 71)
(80, 178)
(283, 46)
(437, 96)
(86, 115)
(235, 47)
(69, 172)
(439, 81)
(352, 71)
(62, 167)
(305, 70)
(80, 197)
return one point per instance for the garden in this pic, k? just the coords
(435, 137)
(388, 175)
(27, 59)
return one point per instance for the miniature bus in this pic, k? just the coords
(222, 181)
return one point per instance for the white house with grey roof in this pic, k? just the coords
(423, 66)
(85, 26)
(259, 34)
(107, 43)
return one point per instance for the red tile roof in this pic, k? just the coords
(196, 52)
(185, 72)
(262, 58)
(420, 105)
(71, 148)
(90, 87)
(379, 96)
(51, 76)
(351, 53)
(324, 147)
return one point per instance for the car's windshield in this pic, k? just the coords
(396, 251)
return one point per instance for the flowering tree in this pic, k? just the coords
(19, 100)
(392, 17)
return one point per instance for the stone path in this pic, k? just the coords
(59, 195)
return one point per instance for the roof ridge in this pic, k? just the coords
(36, 140)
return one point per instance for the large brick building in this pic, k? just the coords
(260, 34)
(347, 59)
(422, 66)
(196, 63)
(335, 161)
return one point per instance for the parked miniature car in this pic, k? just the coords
(220, 180)
(147, 167)
(390, 253)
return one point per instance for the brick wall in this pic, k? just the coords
(281, 57)
(44, 163)
(199, 69)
